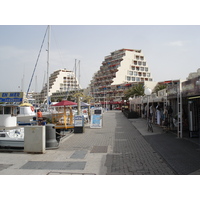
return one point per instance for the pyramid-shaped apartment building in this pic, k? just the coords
(119, 71)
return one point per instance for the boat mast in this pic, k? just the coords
(48, 67)
(36, 64)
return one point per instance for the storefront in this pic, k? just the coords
(191, 106)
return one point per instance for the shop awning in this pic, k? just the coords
(197, 97)
(128, 84)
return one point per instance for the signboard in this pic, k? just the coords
(96, 121)
(78, 121)
(11, 97)
(96, 118)
(98, 112)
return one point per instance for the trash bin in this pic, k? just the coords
(51, 141)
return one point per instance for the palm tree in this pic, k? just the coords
(137, 90)
(159, 87)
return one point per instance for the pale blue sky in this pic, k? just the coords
(172, 52)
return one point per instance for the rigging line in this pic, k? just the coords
(57, 47)
(36, 62)
(79, 77)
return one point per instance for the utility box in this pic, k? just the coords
(78, 124)
(34, 139)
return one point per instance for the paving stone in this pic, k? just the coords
(79, 154)
(4, 166)
(50, 165)
(99, 149)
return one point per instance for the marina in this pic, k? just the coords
(12, 130)
(17, 114)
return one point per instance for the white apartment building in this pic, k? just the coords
(61, 80)
(121, 67)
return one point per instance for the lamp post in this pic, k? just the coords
(130, 107)
(147, 92)
(78, 95)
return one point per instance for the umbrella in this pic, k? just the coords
(65, 103)
(83, 104)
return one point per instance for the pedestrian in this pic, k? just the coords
(39, 117)
(158, 113)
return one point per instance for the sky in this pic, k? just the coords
(168, 37)
(171, 51)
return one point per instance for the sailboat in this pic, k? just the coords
(14, 136)
(26, 113)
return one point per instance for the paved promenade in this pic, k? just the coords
(122, 146)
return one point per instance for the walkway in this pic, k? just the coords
(132, 154)
(122, 146)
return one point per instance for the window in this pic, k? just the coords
(14, 111)
(141, 68)
(146, 69)
(137, 79)
(144, 74)
(133, 67)
(141, 58)
(135, 73)
(128, 78)
(135, 62)
(148, 74)
(139, 63)
(133, 78)
(130, 73)
(7, 110)
(144, 63)
(137, 57)
(1, 110)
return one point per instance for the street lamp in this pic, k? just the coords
(147, 92)
(130, 106)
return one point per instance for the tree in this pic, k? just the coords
(159, 87)
(137, 90)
